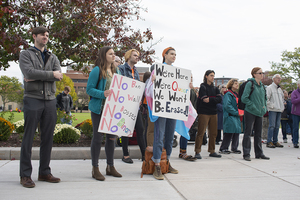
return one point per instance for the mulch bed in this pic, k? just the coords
(15, 141)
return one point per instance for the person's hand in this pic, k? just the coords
(107, 93)
(58, 75)
(153, 78)
(206, 100)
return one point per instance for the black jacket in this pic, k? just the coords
(213, 93)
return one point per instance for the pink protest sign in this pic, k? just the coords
(121, 107)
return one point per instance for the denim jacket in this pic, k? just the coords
(126, 71)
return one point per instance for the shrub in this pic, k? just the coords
(6, 129)
(19, 126)
(66, 117)
(87, 128)
(64, 133)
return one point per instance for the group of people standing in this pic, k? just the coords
(41, 69)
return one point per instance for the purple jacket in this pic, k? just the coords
(295, 99)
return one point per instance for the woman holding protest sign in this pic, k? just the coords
(208, 98)
(164, 128)
(98, 89)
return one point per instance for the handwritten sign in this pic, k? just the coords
(171, 92)
(121, 106)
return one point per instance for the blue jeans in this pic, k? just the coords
(183, 142)
(274, 123)
(285, 124)
(64, 121)
(164, 128)
(295, 132)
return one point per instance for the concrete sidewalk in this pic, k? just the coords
(229, 177)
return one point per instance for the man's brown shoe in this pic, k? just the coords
(27, 182)
(49, 178)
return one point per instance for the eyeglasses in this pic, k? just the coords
(260, 73)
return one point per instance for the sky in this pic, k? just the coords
(230, 37)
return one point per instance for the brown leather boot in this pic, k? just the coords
(96, 174)
(110, 170)
(27, 182)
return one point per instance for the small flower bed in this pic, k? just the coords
(64, 133)
(86, 127)
(6, 129)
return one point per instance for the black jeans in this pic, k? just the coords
(97, 143)
(43, 112)
(139, 128)
(252, 122)
(227, 137)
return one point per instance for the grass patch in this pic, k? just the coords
(79, 116)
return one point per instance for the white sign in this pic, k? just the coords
(171, 92)
(121, 106)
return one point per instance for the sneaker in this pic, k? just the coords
(247, 158)
(262, 157)
(236, 152)
(284, 140)
(215, 155)
(270, 145)
(198, 156)
(296, 146)
(224, 152)
(278, 145)
(157, 173)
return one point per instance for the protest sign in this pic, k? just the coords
(171, 92)
(121, 106)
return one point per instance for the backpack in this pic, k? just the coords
(148, 165)
(241, 105)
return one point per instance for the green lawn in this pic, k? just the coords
(79, 116)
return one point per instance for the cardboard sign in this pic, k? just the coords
(121, 106)
(171, 92)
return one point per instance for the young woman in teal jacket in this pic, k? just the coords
(98, 88)
(255, 109)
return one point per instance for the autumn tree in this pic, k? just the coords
(10, 90)
(78, 28)
(288, 68)
(66, 81)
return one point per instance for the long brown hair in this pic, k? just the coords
(101, 62)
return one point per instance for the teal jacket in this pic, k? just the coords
(97, 94)
(231, 119)
(257, 103)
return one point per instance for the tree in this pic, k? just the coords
(66, 81)
(83, 99)
(78, 29)
(10, 90)
(288, 68)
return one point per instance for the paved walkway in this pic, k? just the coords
(229, 177)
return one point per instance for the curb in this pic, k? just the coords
(67, 153)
